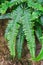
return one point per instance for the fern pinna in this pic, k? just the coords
(26, 21)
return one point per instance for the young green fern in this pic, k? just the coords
(12, 30)
(29, 32)
(27, 28)
(24, 15)
(20, 42)
(11, 37)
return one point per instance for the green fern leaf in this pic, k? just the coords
(38, 32)
(16, 2)
(29, 33)
(20, 41)
(11, 36)
(40, 55)
(35, 5)
(4, 7)
(12, 30)
(6, 16)
(35, 15)
(40, 38)
(40, 1)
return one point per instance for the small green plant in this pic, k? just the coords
(26, 21)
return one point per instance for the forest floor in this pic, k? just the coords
(5, 58)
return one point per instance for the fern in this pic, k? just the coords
(29, 32)
(24, 15)
(16, 2)
(12, 31)
(40, 56)
(40, 38)
(38, 32)
(4, 7)
(11, 37)
(30, 3)
(35, 15)
(34, 5)
(6, 16)
(20, 41)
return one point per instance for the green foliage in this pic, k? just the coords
(20, 41)
(40, 38)
(29, 32)
(6, 16)
(4, 7)
(35, 5)
(41, 20)
(12, 30)
(26, 21)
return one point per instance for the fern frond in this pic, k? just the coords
(35, 15)
(16, 2)
(40, 38)
(34, 5)
(4, 7)
(20, 41)
(29, 32)
(38, 32)
(6, 16)
(40, 55)
(10, 35)
(12, 30)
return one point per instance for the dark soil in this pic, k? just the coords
(5, 58)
